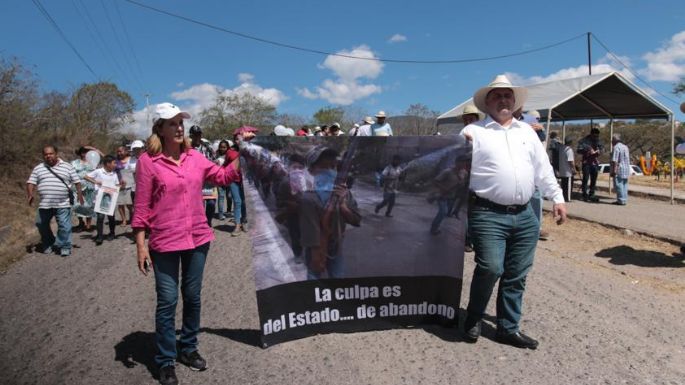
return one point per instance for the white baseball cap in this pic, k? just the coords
(167, 111)
(137, 144)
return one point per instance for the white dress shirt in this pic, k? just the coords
(508, 162)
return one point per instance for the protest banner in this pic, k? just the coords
(328, 256)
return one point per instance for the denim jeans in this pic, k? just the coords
(536, 204)
(589, 173)
(166, 266)
(238, 196)
(335, 267)
(63, 218)
(505, 247)
(443, 208)
(621, 189)
(223, 197)
(388, 199)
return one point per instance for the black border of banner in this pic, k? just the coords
(284, 303)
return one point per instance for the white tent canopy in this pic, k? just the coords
(601, 96)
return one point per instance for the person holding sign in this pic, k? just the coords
(105, 176)
(508, 163)
(322, 225)
(169, 180)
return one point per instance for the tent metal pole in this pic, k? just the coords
(549, 122)
(611, 147)
(563, 131)
(672, 158)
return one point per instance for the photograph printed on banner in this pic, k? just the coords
(353, 207)
(106, 199)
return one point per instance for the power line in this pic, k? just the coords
(134, 75)
(128, 38)
(321, 52)
(52, 21)
(631, 71)
(124, 75)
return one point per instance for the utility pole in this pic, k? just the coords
(589, 53)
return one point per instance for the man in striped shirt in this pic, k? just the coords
(53, 179)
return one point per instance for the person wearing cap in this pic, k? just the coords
(508, 163)
(169, 180)
(137, 148)
(380, 127)
(354, 131)
(323, 242)
(209, 192)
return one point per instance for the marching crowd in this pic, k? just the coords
(170, 186)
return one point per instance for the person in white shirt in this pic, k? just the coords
(567, 168)
(508, 163)
(378, 128)
(391, 179)
(105, 176)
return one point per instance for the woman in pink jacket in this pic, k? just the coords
(169, 179)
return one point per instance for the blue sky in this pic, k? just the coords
(185, 63)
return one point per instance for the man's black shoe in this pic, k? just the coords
(98, 241)
(111, 237)
(167, 375)
(376, 210)
(193, 360)
(471, 330)
(518, 340)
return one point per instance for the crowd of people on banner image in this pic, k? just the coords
(171, 187)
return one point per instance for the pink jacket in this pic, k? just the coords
(169, 202)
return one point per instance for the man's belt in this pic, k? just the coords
(496, 207)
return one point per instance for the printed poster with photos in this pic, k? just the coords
(356, 233)
(106, 199)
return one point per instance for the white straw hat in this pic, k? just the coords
(380, 114)
(471, 109)
(500, 81)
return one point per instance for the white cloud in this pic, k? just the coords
(668, 62)
(200, 96)
(347, 87)
(605, 65)
(397, 38)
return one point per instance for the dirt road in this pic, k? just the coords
(607, 308)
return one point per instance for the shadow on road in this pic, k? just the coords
(245, 336)
(225, 228)
(626, 255)
(137, 348)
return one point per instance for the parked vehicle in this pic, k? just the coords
(605, 168)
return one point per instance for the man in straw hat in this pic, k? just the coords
(471, 114)
(508, 163)
(379, 128)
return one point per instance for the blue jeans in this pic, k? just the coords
(505, 247)
(621, 189)
(536, 203)
(166, 266)
(63, 218)
(335, 267)
(589, 174)
(443, 208)
(223, 195)
(238, 195)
